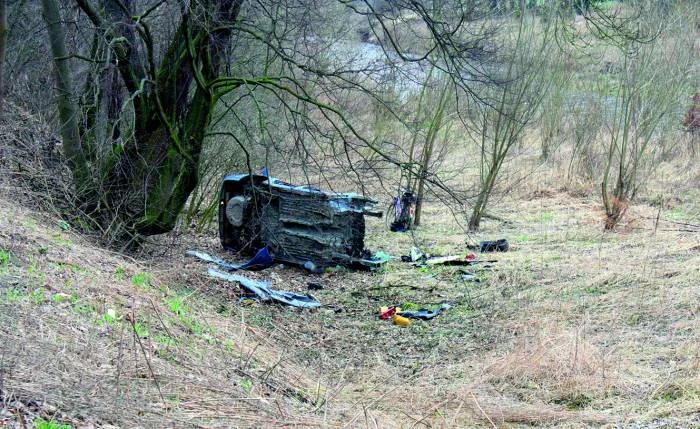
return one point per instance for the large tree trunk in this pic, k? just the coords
(3, 45)
(67, 110)
(143, 174)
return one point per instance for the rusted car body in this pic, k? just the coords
(300, 225)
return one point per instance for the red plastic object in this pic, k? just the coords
(470, 257)
(385, 315)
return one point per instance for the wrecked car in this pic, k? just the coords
(300, 225)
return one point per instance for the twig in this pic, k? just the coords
(130, 318)
(656, 222)
(482, 410)
(430, 412)
(20, 417)
(119, 358)
(153, 305)
(692, 225)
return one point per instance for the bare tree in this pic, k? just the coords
(3, 46)
(433, 125)
(653, 76)
(157, 74)
(518, 98)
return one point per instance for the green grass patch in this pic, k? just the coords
(50, 424)
(192, 325)
(30, 224)
(13, 295)
(680, 214)
(142, 280)
(66, 266)
(38, 295)
(408, 305)
(246, 384)
(58, 298)
(176, 304)
(229, 345)
(594, 290)
(546, 217)
(574, 402)
(79, 307)
(524, 238)
(60, 240)
(141, 330)
(4, 257)
(110, 318)
(165, 340)
(119, 273)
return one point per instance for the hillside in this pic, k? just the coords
(571, 327)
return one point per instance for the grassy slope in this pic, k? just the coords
(171, 355)
(571, 327)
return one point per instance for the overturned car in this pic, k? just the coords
(299, 225)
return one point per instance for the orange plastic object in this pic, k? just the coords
(400, 320)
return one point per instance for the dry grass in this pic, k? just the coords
(64, 358)
(574, 327)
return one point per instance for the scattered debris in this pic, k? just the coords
(494, 246)
(393, 312)
(418, 258)
(263, 292)
(414, 256)
(386, 313)
(381, 257)
(417, 254)
(454, 260)
(399, 320)
(423, 313)
(248, 300)
(312, 268)
(469, 277)
(260, 261)
(404, 211)
(314, 286)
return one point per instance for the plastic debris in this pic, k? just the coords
(260, 261)
(381, 257)
(417, 254)
(494, 246)
(469, 277)
(385, 313)
(453, 260)
(404, 211)
(312, 268)
(393, 312)
(263, 291)
(418, 258)
(423, 313)
(399, 320)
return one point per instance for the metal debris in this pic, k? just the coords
(265, 293)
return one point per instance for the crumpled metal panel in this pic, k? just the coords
(297, 223)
